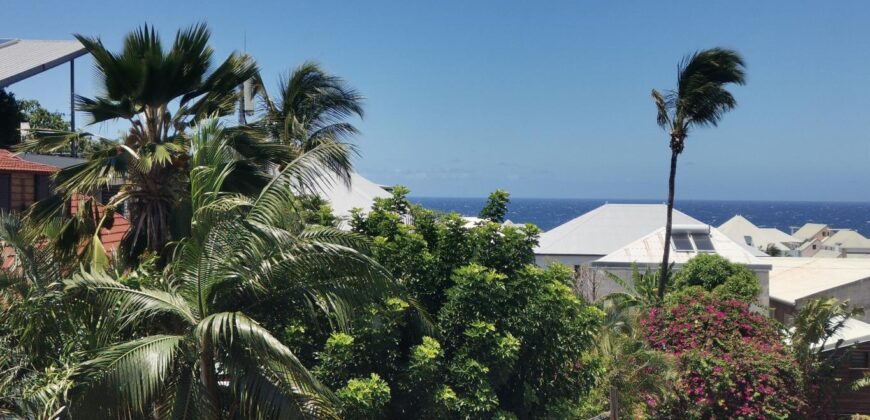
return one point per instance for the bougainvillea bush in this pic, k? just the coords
(732, 362)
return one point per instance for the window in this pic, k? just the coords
(748, 240)
(702, 242)
(6, 191)
(815, 246)
(42, 185)
(681, 242)
(692, 242)
(859, 360)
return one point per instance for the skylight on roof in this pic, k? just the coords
(692, 242)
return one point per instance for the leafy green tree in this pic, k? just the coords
(10, 119)
(192, 350)
(510, 339)
(496, 206)
(716, 274)
(699, 100)
(41, 118)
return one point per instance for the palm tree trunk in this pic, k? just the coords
(208, 376)
(663, 275)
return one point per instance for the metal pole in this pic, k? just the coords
(73, 147)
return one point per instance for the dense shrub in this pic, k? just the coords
(506, 338)
(732, 362)
(716, 274)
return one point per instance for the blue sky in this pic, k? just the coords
(544, 99)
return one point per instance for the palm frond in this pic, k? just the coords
(134, 371)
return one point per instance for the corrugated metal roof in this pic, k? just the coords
(53, 160)
(792, 279)
(360, 194)
(648, 250)
(22, 58)
(607, 228)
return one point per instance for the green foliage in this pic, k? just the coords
(10, 119)
(364, 398)
(814, 326)
(512, 339)
(772, 250)
(41, 118)
(720, 276)
(496, 206)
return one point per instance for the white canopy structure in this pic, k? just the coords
(23, 58)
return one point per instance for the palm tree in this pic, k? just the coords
(160, 92)
(700, 100)
(201, 356)
(312, 108)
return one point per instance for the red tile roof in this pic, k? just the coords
(110, 237)
(10, 162)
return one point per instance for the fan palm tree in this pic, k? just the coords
(202, 356)
(160, 93)
(312, 108)
(700, 100)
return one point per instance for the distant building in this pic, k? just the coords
(614, 237)
(851, 345)
(794, 281)
(813, 232)
(847, 243)
(360, 193)
(739, 229)
(602, 231)
(687, 241)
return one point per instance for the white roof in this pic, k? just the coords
(606, 229)
(853, 332)
(808, 230)
(738, 228)
(22, 58)
(648, 250)
(360, 194)
(792, 278)
(847, 238)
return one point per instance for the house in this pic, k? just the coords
(852, 345)
(739, 229)
(602, 231)
(22, 182)
(360, 193)
(794, 281)
(687, 241)
(846, 243)
(813, 232)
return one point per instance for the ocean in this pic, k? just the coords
(548, 213)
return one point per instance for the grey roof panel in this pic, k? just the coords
(53, 160)
(22, 58)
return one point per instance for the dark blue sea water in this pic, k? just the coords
(548, 213)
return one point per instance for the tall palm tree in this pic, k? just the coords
(312, 108)
(160, 93)
(201, 356)
(700, 100)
